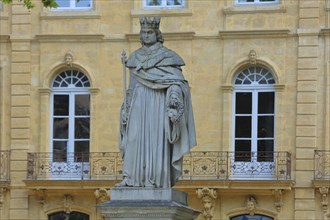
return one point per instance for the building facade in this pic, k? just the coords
(259, 72)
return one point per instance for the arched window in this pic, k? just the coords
(254, 119)
(68, 216)
(251, 217)
(70, 116)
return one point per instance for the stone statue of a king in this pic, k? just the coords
(157, 128)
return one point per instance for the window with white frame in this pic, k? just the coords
(70, 117)
(163, 3)
(256, 1)
(254, 115)
(74, 4)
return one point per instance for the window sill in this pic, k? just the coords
(165, 12)
(69, 15)
(250, 9)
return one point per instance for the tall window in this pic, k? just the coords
(163, 3)
(256, 1)
(254, 115)
(70, 116)
(74, 4)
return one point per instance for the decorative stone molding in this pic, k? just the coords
(207, 197)
(324, 201)
(41, 196)
(68, 58)
(67, 203)
(278, 199)
(251, 205)
(102, 195)
(253, 57)
(3, 190)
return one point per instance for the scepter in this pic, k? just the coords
(123, 61)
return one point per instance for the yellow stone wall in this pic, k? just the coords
(214, 37)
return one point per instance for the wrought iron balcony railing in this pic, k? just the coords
(321, 165)
(4, 165)
(209, 165)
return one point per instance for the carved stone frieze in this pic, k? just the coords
(208, 197)
(251, 205)
(67, 203)
(102, 195)
(68, 58)
(253, 57)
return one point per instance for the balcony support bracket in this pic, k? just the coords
(324, 202)
(278, 198)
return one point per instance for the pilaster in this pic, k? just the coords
(307, 87)
(20, 121)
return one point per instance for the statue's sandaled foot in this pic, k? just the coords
(121, 184)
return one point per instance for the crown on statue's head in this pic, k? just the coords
(150, 22)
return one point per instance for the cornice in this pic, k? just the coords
(280, 33)
(45, 91)
(69, 37)
(223, 185)
(5, 184)
(69, 184)
(325, 32)
(189, 35)
(4, 38)
(237, 185)
(321, 183)
(4, 16)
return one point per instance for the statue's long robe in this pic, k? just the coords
(151, 145)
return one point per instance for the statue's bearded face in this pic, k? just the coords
(148, 36)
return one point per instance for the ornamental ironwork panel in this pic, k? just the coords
(321, 165)
(197, 165)
(85, 166)
(4, 165)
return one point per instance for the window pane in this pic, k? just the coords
(82, 105)
(243, 127)
(266, 102)
(83, 3)
(61, 105)
(267, 0)
(173, 2)
(81, 150)
(242, 150)
(60, 151)
(265, 126)
(60, 128)
(81, 129)
(265, 150)
(63, 3)
(243, 103)
(154, 2)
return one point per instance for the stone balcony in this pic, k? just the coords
(215, 169)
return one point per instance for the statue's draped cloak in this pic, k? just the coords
(151, 144)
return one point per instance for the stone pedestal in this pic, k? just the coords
(142, 204)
